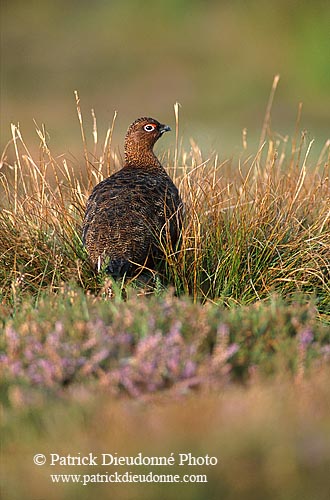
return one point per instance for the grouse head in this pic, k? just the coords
(139, 142)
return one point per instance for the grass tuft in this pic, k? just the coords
(254, 225)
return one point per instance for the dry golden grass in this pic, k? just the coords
(254, 225)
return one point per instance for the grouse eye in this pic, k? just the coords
(149, 127)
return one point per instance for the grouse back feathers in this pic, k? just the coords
(132, 211)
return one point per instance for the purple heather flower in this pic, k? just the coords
(175, 330)
(231, 350)
(223, 331)
(306, 337)
(189, 369)
(325, 351)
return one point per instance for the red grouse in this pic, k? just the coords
(134, 212)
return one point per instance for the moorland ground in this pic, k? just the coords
(225, 353)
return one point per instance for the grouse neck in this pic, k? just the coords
(140, 156)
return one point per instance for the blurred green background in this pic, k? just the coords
(216, 58)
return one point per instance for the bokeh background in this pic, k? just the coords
(216, 58)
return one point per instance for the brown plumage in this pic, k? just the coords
(132, 211)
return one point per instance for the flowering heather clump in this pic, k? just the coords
(159, 361)
(115, 359)
(121, 353)
(143, 346)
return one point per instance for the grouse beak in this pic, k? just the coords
(164, 128)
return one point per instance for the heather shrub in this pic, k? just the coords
(146, 345)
